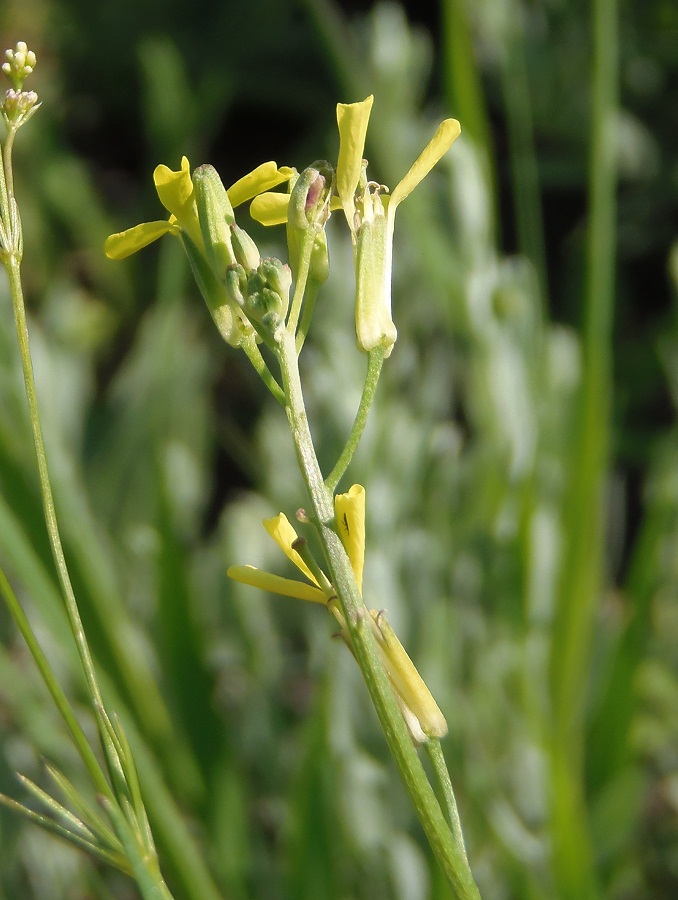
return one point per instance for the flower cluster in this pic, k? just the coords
(18, 105)
(420, 711)
(245, 293)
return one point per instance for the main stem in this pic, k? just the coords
(450, 856)
(45, 485)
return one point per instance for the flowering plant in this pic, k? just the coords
(265, 307)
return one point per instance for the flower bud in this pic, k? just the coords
(245, 250)
(309, 205)
(235, 281)
(268, 292)
(215, 215)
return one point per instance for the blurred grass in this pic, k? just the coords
(165, 455)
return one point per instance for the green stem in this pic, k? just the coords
(53, 686)
(12, 266)
(145, 867)
(249, 345)
(582, 578)
(307, 241)
(449, 855)
(435, 754)
(375, 361)
(312, 288)
(523, 157)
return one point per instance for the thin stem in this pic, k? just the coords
(146, 871)
(450, 857)
(72, 611)
(375, 361)
(253, 353)
(53, 686)
(307, 241)
(312, 288)
(582, 577)
(523, 156)
(435, 754)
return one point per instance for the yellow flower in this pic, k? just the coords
(175, 191)
(370, 213)
(285, 536)
(420, 711)
(349, 512)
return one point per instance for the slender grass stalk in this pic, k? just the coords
(464, 91)
(582, 574)
(60, 700)
(449, 853)
(523, 156)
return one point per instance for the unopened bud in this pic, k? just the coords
(235, 281)
(310, 198)
(20, 64)
(215, 214)
(268, 292)
(245, 250)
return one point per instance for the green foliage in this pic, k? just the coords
(263, 770)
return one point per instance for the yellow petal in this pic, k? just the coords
(352, 119)
(349, 510)
(446, 133)
(261, 179)
(274, 584)
(284, 535)
(270, 208)
(406, 680)
(175, 189)
(123, 244)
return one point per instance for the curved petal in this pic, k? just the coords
(261, 179)
(274, 584)
(175, 189)
(284, 535)
(270, 208)
(352, 119)
(123, 244)
(349, 510)
(446, 133)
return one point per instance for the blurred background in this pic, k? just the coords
(522, 513)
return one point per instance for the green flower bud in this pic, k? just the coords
(235, 281)
(269, 292)
(215, 215)
(310, 198)
(231, 322)
(246, 251)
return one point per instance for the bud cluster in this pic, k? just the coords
(18, 105)
(20, 64)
